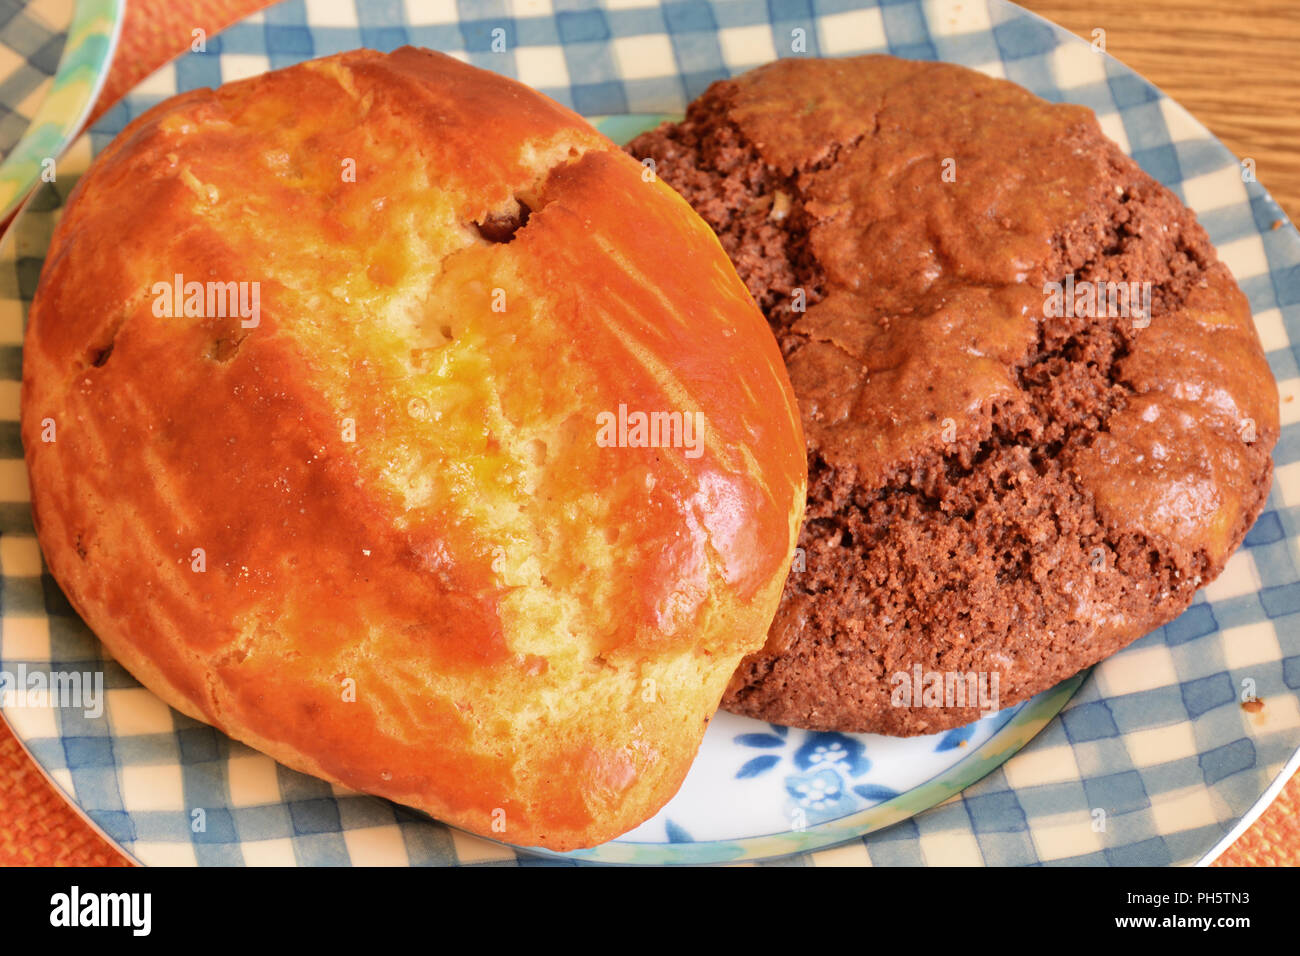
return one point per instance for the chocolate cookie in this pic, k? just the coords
(1037, 412)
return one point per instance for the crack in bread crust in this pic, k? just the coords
(1008, 545)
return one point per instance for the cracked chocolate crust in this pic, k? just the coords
(993, 489)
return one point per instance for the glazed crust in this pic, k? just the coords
(390, 488)
(993, 489)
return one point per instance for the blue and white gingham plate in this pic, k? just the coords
(1153, 760)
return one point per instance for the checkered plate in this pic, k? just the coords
(54, 57)
(1153, 760)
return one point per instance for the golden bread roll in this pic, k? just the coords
(348, 406)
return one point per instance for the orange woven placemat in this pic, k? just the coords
(38, 828)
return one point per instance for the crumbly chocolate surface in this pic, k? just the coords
(994, 488)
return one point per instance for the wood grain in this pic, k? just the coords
(1234, 65)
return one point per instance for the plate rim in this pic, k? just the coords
(1029, 720)
(20, 170)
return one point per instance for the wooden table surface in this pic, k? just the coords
(1235, 64)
